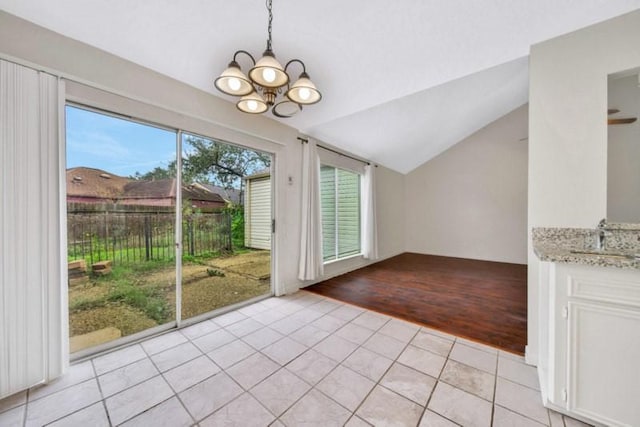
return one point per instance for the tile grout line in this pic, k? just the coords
(260, 382)
(426, 406)
(353, 413)
(495, 388)
(222, 370)
(103, 400)
(520, 384)
(161, 374)
(313, 386)
(147, 356)
(377, 383)
(26, 403)
(513, 410)
(57, 391)
(76, 410)
(420, 329)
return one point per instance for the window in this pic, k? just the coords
(340, 200)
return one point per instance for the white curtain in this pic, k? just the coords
(311, 264)
(33, 333)
(369, 225)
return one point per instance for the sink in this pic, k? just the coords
(610, 254)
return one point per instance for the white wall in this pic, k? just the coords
(27, 43)
(390, 198)
(568, 132)
(471, 200)
(623, 155)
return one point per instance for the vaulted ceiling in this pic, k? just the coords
(401, 80)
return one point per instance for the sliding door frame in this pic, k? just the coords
(177, 322)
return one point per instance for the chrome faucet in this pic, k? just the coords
(601, 235)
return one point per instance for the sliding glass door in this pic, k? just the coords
(226, 218)
(141, 220)
(121, 217)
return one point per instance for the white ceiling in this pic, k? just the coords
(401, 80)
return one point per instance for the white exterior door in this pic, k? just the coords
(258, 223)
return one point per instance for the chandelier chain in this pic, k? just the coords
(270, 21)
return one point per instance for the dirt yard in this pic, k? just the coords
(132, 300)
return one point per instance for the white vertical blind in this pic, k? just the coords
(33, 338)
(348, 213)
(340, 197)
(310, 266)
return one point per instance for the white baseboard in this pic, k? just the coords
(347, 268)
(530, 358)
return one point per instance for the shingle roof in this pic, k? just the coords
(230, 194)
(93, 183)
(157, 189)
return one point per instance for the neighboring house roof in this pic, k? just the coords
(96, 185)
(229, 194)
(160, 188)
(198, 192)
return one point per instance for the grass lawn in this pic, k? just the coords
(139, 296)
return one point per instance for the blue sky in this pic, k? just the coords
(115, 145)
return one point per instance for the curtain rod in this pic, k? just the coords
(303, 140)
(342, 154)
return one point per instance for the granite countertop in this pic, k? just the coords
(557, 244)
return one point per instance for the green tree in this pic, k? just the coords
(218, 163)
(211, 162)
(157, 173)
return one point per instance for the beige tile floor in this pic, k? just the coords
(299, 360)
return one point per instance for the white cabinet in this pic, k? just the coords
(590, 361)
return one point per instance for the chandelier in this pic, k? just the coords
(266, 81)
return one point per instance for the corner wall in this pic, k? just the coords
(568, 132)
(471, 200)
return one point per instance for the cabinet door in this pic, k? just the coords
(603, 339)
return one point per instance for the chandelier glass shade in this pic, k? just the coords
(266, 81)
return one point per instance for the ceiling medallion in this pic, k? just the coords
(260, 90)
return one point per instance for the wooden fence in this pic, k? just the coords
(129, 237)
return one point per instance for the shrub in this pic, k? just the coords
(213, 272)
(236, 212)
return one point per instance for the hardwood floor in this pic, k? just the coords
(480, 300)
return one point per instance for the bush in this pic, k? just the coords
(237, 225)
(126, 286)
(214, 272)
(150, 300)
